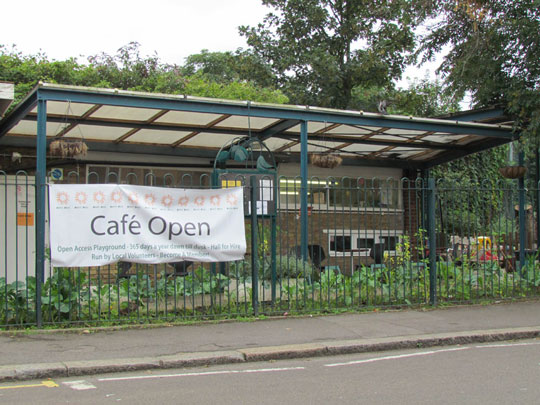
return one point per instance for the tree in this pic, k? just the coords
(423, 98)
(127, 70)
(227, 67)
(494, 54)
(320, 50)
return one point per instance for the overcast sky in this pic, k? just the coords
(174, 29)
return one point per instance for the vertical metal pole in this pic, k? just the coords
(254, 247)
(522, 221)
(41, 168)
(304, 190)
(432, 242)
(537, 185)
(273, 252)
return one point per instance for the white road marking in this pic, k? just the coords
(80, 385)
(507, 345)
(398, 356)
(145, 377)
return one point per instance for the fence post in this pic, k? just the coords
(304, 190)
(40, 184)
(522, 221)
(432, 241)
(537, 185)
(254, 247)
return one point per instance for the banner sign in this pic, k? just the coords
(95, 225)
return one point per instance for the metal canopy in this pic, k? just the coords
(158, 124)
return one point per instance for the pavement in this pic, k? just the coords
(75, 352)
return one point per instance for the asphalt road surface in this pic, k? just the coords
(502, 373)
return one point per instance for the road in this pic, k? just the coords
(502, 373)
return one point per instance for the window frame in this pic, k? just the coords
(355, 234)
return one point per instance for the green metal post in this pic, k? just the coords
(273, 257)
(41, 168)
(537, 185)
(304, 190)
(522, 221)
(254, 247)
(432, 242)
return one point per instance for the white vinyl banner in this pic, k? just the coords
(95, 225)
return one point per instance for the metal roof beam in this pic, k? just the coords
(18, 114)
(135, 125)
(275, 112)
(479, 115)
(367, 141)
(367, 162)
(277, 129)
(30, 142)
(471, 149)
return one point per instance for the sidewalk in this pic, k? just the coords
(60, 353)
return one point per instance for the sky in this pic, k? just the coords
(174, 29)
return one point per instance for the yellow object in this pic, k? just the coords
(48, 384)
(484, 242)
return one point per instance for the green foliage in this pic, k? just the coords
(227, 67)
(320, 50)
(200, 85)
(494, 54)
(200, 281)
(424, 99)
(61, 293)
(472, 192)
(69, 296)
(129, 70)
(16, 302)
(286, 267)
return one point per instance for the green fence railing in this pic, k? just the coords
(370, 242)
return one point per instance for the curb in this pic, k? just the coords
(184, 360)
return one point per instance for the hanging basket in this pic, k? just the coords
(68, 148)
(325, 160)
(513, 172)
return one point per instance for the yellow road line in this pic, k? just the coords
(48, 384)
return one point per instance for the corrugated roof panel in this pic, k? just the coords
(316, 146)
(154, 136)
(403, 152)
(187, 118)
(383, 137)
(239, 121)
(211, 140)
(405, 132)
(124, 113)
(27, 127)
(276, 143)
(312, 127)
(360, 147)
(350, 130)
(444, 138)
(101, 133)
(66, 108)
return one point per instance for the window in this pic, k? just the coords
(374, 193)
(389, 242)
(347, 242)
(365, 243)
(340, 243)
(344, 193)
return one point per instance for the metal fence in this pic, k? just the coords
(370, 242)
